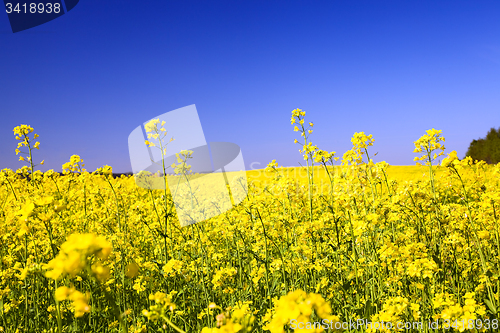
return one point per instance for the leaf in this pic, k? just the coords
(369, 309)
(490, 306)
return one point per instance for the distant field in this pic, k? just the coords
(399, 173)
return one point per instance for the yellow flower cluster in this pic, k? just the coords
(222, 276)
(299, 306)
(410, 259)
(360, 142)
(79, 300)
(74, 254)
(182, 168)
(393, 311)
(238, 319)
(163, 304)
(75, 164)
(321, 156)
(157, 133)
(451, 310)
(173, 267)
(106, 170)
(22, 134)
(451, 159)
(429, 143)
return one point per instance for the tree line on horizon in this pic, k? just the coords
(486, 149)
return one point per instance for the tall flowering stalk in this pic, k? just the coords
(22, 134)
(428, 144)
(159, 134)
(156, 131)
(326, 159)
(360, 143)
(183, 169)
(308, 151)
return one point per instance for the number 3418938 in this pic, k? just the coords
(33, 8)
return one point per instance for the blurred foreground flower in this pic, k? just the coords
(74, 254)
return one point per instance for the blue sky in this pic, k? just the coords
(389, 68)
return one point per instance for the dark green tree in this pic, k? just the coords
(486, 149)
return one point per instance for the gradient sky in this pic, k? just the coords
(393, 69)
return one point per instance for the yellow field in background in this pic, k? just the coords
(399, 173)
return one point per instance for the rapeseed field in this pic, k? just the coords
(342, 244)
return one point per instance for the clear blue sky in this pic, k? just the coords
(389, 68)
